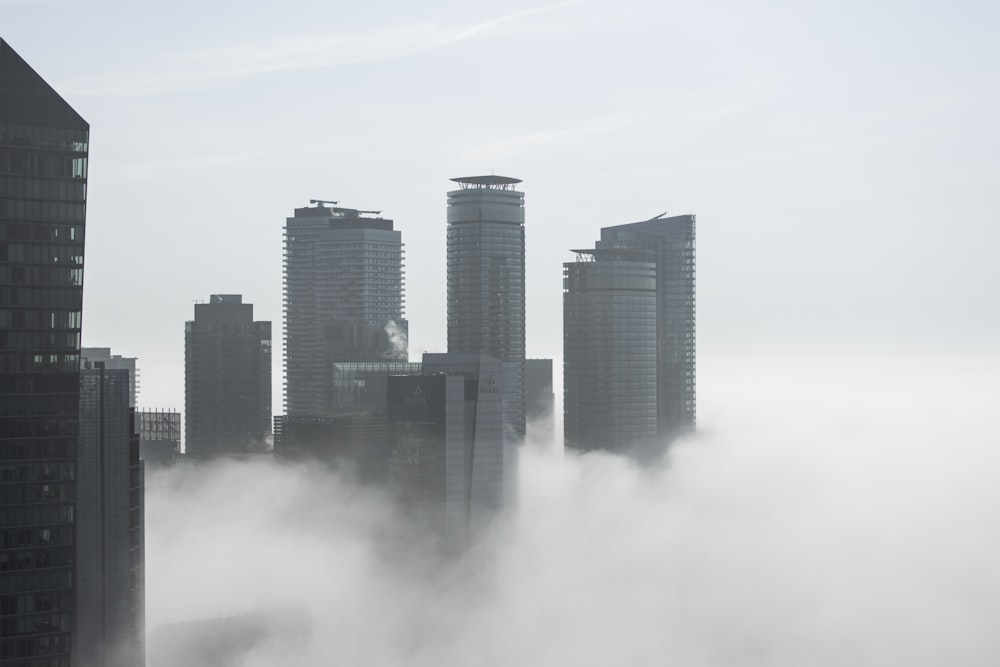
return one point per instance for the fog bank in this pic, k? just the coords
(827, 513)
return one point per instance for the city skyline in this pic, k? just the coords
(794, 133)
(838, 503)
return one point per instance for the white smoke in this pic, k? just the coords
(398, 341)
(827, 514)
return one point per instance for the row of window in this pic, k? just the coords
(54, 138)
(37, 515)
(48, 189)
(40, 231)
(37, 163)
(37, 319)
(36, 406)
(41, 276)
(20, 494)
(37, 649)
(36, 603)
(46, 472)
(35, 559)
(30, 296)
(42, 253)
(41, 447)
(39, 580)
(38, 537)
(20, 362)
(42, 383)
(38, 344)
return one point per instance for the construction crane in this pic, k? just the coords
(323, 201)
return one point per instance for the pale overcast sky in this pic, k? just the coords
(840, 156)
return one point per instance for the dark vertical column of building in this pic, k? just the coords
(227, 378)
(609, 352)
(343, 289)
(486, 279)
(109, 616)
(43, 192)
(539, 401)
(447, 463)
(673, 242)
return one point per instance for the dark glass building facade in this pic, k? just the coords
(486, 281)
(109, 619)
(672, 241)
(43, 193)
(609, 351)
(227, 379)
(447, 464)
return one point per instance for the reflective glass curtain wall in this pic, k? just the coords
(43, 189)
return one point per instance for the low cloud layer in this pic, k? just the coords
(826, 514)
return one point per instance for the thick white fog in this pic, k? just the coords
(828, 513)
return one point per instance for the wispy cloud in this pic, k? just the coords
(523, 144)
(201, 69)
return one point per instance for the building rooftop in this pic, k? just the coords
(491, 182)
(26, 98)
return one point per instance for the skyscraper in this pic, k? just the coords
(227, 378)
(109, 620)
(343, 300)
(486, 286)
(672, 241)
(447, 464)
(43, 193)
(609, 351)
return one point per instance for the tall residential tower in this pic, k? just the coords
(43, 194)
(227, 378)
(672, 242)
(609, 351)
(486, 287)
(343, 300)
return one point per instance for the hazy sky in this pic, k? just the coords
(839, 155)
(841, 159)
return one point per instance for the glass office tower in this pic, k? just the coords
(43, 193)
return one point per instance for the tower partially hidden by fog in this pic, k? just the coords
(227, 378)
(609, 351)
(343, 289)
(672, 243)
(448, 465)
(43, 195)
(486, 285)
(109, 620)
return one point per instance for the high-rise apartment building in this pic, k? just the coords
(43, 194)
(672, 242)
(109, 618)
(227, 378)
(486, 282)
(609, 351)
(343, 272)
